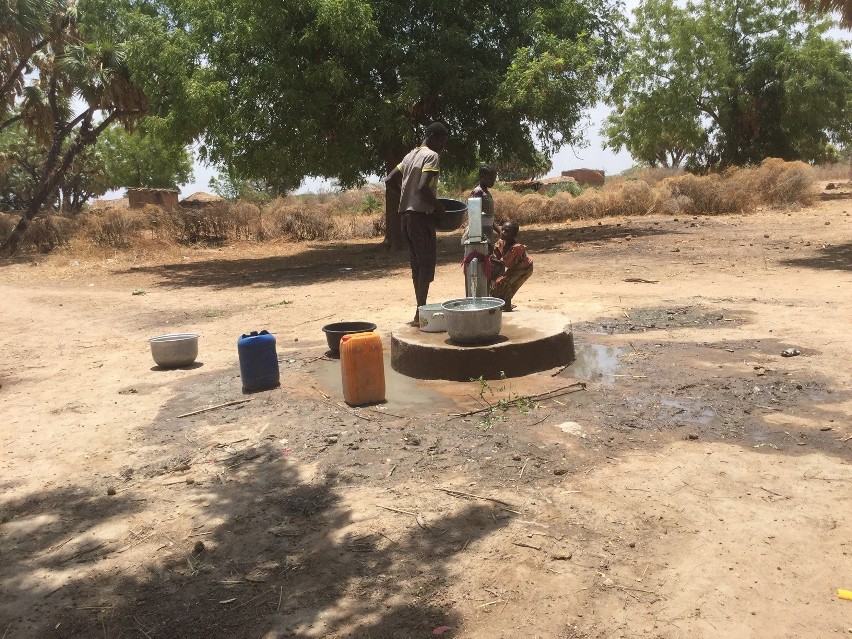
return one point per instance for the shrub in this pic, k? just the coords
(302, 225)
(114, 228)
(781, 183)
(47, 232)
(564, 187)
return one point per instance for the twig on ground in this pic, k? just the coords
(87, 551)
(209, 408)
(140, 628)
(525, 545)
(521, 474)
(560, 370)
(312, 320)
(382, 412)
(772, 492)
(388, 538)
(539, 421)
(397, 510)
(353, 412)
(250, 600)
(563, 390)
(459, 493)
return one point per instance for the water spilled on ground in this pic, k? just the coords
(594, 361)
(400, 391)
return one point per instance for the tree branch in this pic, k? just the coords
(6, 87)
(10, 121)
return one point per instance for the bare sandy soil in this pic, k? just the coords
(698, 487)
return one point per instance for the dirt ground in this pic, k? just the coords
(698, 487)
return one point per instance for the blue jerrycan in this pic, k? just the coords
(258, 361)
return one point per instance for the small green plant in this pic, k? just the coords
(496, 411)
(211, 313)
(564, 187)
(371, 204)
(196, 566)
(277, 304)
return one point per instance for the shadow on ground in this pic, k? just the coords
(837, 257)
(282, 556)
(338, 261)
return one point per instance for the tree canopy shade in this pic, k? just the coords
(344, 88)
(730, 82)
(120, 58)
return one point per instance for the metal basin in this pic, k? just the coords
(174, 351)
(473, 320)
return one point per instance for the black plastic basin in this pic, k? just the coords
(456, 211)
(334, 332)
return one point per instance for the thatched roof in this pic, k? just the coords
(202, 198)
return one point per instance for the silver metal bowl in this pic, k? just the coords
(473, 320)
(174, 351)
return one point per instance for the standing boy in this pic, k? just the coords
(416, 180)
(487, 178)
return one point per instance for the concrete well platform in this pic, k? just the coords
(529, 342)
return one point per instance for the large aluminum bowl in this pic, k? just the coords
(174, 351)
(473, 320)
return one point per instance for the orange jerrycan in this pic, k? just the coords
(362, 365)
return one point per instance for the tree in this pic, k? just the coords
(143, 158)
(117, 56)
(843, 7)
(342, 89)
(725, 83)
(20, 158)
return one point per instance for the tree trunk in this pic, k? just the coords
(393, 231)
(54, 170)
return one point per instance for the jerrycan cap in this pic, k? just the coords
(254, 334)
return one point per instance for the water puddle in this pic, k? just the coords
(595, 361)
(400, 391)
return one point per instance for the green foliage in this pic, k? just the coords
(119, 58)
(716, 84)
(229, 186)
(564, 187)
(343, 88)
(143, 158)
(371, 204)
(21, 156)
(495, 411)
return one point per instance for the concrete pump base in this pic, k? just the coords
(529, 342)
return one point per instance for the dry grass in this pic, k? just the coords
(43, 235)
(838, 172)
(773, 183)
(360, 214)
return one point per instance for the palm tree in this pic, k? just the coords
(51, 49)
(844, 7)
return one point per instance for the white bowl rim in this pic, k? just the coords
(174, 337)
